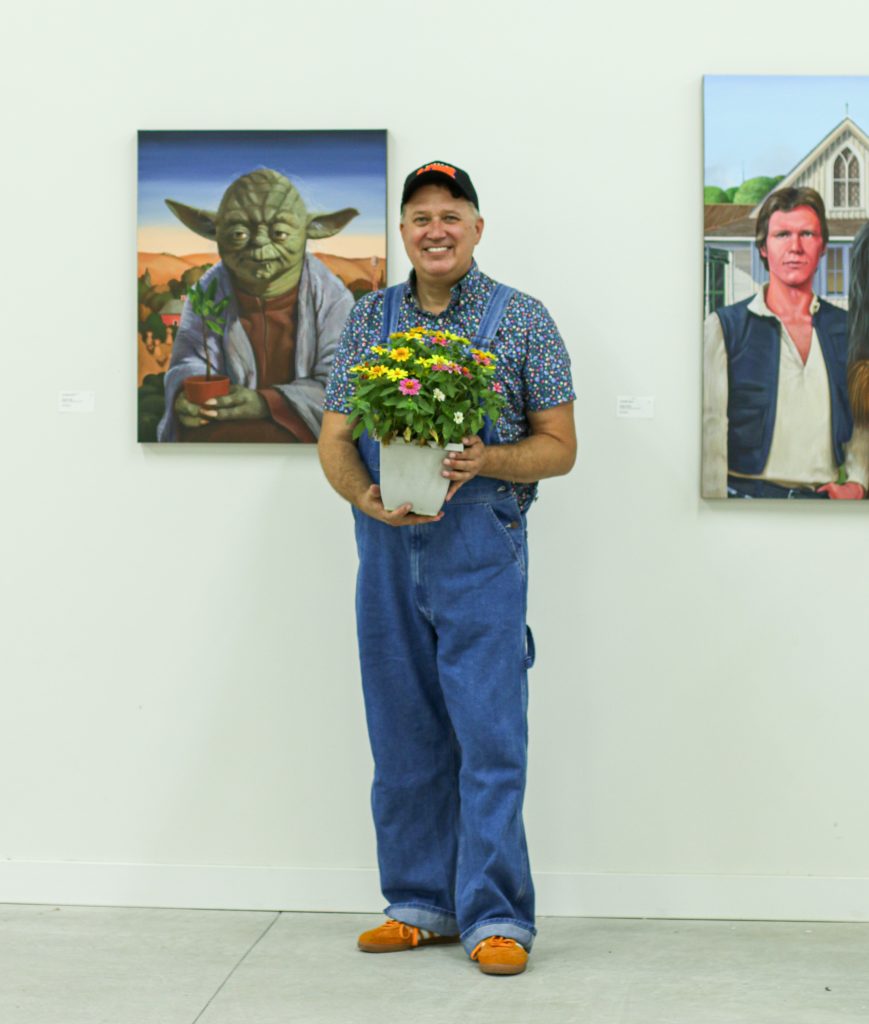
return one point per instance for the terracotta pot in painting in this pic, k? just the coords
(200, 388)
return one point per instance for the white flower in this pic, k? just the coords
(439, 395)
(459, 417)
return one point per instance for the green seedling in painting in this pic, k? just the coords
(202, 303)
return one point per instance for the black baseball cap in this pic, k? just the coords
(440, 173)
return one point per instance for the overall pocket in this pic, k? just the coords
(508, 523)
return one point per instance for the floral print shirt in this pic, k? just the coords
(533, 366)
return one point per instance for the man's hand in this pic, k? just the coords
(372, 505)
(548, 450)
(240, 404)
(851, 490)
(464, 465)
(346, 472)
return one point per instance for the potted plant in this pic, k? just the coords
(200, 387)
(419, 396)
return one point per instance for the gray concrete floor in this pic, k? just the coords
(82, 965)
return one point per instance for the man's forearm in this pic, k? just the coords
(343, 468)
(529, 460)
(548, 450)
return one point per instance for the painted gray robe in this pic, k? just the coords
(324, 305)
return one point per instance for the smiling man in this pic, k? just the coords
(440, 601)
(776, 418)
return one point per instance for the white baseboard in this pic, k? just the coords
(712, 897)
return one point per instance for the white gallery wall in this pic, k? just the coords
(182, 722)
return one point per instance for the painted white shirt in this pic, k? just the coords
(801, 453)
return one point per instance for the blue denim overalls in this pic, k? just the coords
(444, 650)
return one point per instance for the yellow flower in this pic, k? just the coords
(397, 374)
(377, 371)
(400, 355)
(378, 350)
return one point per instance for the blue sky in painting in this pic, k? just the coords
(332, 170)
(766, 124)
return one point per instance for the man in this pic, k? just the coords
(776, 419)
(441, 600)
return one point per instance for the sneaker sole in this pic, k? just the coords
(401, 946)
(502, 968)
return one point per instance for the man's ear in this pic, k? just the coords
(324, 225)
(203, 222)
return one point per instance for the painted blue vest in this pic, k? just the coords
(753, 349)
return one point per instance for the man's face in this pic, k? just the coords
(439, 234)
(793, 246)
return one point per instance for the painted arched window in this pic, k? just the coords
(846, 179)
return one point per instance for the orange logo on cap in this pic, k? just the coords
(443, 168)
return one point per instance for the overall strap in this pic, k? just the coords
(494, 311)
(485, 336)
(391, 302)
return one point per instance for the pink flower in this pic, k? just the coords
(482, 360)
(496, 387)
(409, 386)
(439, 341)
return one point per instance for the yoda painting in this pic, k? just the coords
(279, 326)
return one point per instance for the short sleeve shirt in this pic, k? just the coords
(533, 366)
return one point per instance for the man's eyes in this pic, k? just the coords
(450, 218)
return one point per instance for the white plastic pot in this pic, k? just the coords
(412, 473)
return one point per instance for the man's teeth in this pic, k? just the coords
(437, 248)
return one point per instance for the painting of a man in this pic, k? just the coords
(776, 416)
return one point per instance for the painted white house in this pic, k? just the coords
(837, 168)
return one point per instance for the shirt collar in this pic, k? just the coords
(463, 285)
(759, 307)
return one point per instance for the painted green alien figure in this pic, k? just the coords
(283, 318)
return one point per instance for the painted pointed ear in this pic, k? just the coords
(203, 222)
(324, 225)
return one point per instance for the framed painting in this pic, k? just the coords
(786, 332)
(252, 248)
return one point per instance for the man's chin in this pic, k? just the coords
(437, 269)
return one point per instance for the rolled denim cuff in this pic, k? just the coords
(419, 915)
(506, 926)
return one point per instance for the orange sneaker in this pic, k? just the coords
(497, 955)
(395, 936)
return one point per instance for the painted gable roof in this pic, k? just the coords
(831, 143)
